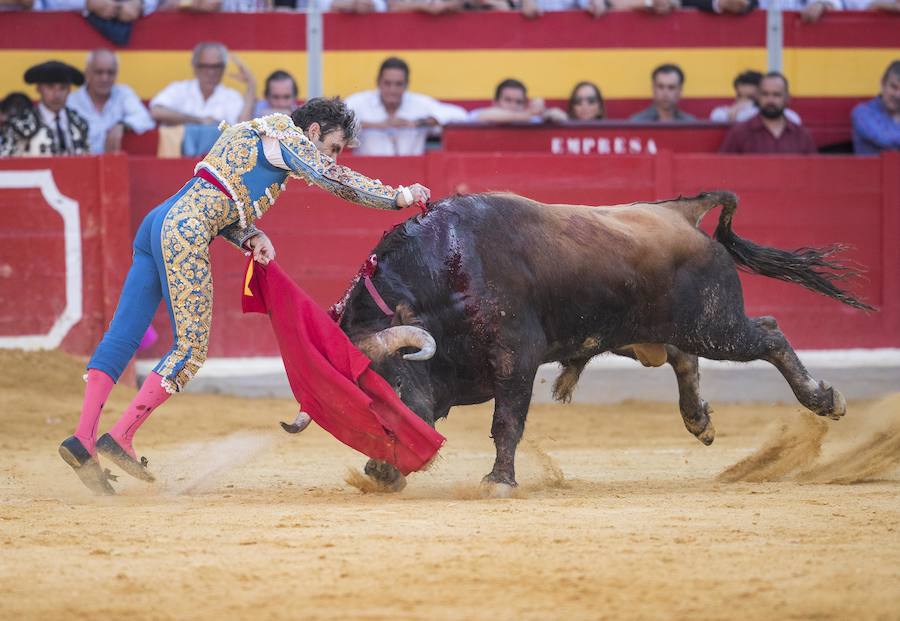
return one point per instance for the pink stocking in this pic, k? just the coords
(150, 397)
(96, 392)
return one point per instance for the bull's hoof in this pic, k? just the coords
(838, 403)
(496, 490)
(386, 476)
(708, 434)
(493, 486)
(702, 428)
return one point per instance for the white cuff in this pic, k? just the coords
(407, 195)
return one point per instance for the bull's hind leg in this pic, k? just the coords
(817, 396)
(760, 339)
(694, 410)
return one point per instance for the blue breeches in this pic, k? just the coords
(170, 263)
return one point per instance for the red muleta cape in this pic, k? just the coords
(332, 379)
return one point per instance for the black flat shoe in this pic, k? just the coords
(109, 448)
(86, 466)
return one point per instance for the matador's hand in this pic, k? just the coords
(261, 247)
(412, 195)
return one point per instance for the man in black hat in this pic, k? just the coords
(49, 127)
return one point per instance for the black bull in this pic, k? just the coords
(503, 284)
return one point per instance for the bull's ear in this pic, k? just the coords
(404, 315)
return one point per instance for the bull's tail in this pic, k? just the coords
(812, 268)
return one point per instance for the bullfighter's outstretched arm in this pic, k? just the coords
(307, 163)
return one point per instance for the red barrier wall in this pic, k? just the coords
(321, 240)
(33, 246)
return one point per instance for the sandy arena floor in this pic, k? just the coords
(621, 514)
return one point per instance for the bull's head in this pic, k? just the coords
(384, 343)
(405, 370)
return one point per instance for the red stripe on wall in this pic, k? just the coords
(287, 31)
(566, 30)
(160, 31)
(844, 29)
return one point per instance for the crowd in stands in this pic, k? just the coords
(394, 120)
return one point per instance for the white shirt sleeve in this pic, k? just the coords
(137, 118)
(719, 114)
(170, 96)
(449, 113)
(59, 5)
(234, 103)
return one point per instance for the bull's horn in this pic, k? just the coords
(392, 339)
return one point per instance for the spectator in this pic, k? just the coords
(49, 127)
(432, 7)
(353, 6)
(876, 123)
(536, 8)
(395, 121)
(659, 7)
(125, 11)
(16, 5)
(586, 103)
(769, 131)
(193, 6)
(491, 5)
(280, 94)
(746, 91)
(511, 105)
(109, 108)
(733, 7)
(811, 10)
(13, 105)
(887, 6)
(59, 5)
(668, 81)
(204, 100)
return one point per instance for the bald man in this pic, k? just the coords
(109, 108)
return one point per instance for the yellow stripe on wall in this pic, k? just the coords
(828, 72)
(473, 74)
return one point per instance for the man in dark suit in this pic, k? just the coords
(48, 127)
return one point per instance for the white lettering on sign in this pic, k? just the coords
(599, 145)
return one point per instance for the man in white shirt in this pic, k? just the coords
(395, 121)
(109, 108)
(49, 127)
(204, 100)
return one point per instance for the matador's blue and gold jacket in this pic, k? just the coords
(252, 161)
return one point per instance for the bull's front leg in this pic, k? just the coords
(511, 402)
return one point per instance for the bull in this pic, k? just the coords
(471, 297)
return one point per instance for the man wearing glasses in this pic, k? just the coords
(204, 100)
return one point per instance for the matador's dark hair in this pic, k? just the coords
(330, 113)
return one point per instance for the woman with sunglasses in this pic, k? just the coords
(586, 103)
